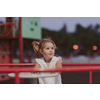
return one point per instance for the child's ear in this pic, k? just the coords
(40, 51)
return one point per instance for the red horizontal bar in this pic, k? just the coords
(64, 64)
(18, 64)
(80, 64)
(7, 23)
(11, 37)
(64, 69)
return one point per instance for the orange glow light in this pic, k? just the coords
(75, 47)
(94, 47)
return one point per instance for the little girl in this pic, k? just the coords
(47, 48)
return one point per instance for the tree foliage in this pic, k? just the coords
(84, 37)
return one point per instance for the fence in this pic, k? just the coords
(91, 67)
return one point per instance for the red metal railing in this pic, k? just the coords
(91, 67)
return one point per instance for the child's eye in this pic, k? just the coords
(47, 48)
(52, 48)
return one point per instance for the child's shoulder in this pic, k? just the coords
(57, 58)
(54, 58)
(39, 59)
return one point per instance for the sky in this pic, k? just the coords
(56, 23)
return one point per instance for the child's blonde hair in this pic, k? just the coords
(37, 46)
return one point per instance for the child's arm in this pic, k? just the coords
(36, 66)
(59, 65)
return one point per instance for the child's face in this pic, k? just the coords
(48, 50)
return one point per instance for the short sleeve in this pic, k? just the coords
(38, 61)
(60, 58)
(41, 62)
(55, 59)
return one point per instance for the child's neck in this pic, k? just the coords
(47, 60)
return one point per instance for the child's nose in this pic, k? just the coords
(51, 50)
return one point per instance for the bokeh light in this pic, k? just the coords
(75, 47)
(94, 47)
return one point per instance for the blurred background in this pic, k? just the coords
(77, 38)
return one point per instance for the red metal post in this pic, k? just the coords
(17, 80)
(38, 55)
(11, 52)
(90, 76)
(8, 19)
(21, 49)
(20, 42)
(20, 45)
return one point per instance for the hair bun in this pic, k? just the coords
(35, 46)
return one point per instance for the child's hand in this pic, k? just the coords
(52, 72)
(35, 72)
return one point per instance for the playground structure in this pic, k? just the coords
(20, 29)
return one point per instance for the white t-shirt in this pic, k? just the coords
(43, 65)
